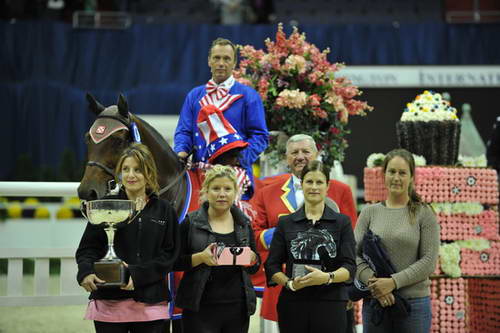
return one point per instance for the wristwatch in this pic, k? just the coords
(332, 276)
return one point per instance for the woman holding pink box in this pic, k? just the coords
(217, 254)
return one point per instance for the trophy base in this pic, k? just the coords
(113, 272)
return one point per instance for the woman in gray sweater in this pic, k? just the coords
(409, 233)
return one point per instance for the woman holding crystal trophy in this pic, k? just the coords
(125, 264)
(317, 246)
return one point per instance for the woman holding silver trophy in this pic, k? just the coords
(129, 290)
(217, 254)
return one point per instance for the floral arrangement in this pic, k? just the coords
(429, 106)
(301, 93)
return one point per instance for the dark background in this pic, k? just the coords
(47, 66)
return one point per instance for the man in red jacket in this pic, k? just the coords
(282, 196)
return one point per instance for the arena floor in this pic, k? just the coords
(55, 319)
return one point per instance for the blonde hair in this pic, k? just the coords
(218, 171)
(147, 165)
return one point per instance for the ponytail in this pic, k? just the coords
(414, 203)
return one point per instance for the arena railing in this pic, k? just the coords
(69, 293)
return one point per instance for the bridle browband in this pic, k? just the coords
(108, 170)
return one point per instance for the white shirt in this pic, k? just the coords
(299, 194)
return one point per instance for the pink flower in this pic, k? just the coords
(334, 130)
(245, 81)
(320, 113)
(263, 87)
(314, 100)
(293, 74)
(343, 116)
(355, 107)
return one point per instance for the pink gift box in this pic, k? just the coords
(232, 255)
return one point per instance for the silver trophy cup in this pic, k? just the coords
(108, 214)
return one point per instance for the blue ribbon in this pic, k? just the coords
(136, 136)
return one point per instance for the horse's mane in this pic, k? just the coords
(165, 147)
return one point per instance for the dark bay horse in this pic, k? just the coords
(111, 133)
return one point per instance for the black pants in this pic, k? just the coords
(217, 318)
(350, 326)
(155, 326)
(173, 326)
(311, 316)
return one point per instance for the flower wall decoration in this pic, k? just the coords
(301, 92)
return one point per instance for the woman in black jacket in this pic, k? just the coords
(148, 245)
(215, 298)
(317, 246)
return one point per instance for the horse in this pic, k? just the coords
(113, 130)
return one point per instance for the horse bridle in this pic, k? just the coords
(102, 166)
(106, 169)
(110, 171)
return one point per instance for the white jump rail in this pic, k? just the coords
(38, 189)
(70, 293)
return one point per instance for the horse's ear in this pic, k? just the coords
(94, 105)
(122, 106)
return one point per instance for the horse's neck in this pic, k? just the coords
(166, 160)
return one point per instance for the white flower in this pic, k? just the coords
(473, 161)
(375, 159)
(447, 208)
(449, 258)
(478, 244)
(419, 160)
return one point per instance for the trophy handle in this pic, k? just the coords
(83, 209)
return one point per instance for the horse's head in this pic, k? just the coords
(106, 140)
